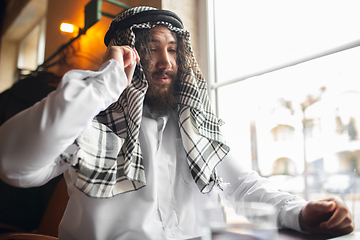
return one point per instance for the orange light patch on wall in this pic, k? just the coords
(92, 44)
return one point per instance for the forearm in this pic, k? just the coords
(32, 140)
(248, 186)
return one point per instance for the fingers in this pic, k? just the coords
(130, 56)
(338, 216)
(129, 71)
(313, 214)
(124, 55)
(341, 219)
(326, 205)
(343, 228)
(329, 216)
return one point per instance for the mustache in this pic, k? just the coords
(168, 73)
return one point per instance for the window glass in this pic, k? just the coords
(298, 123)
(259, 34)
(321, 95)
(32, 49)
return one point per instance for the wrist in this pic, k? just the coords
(302, 222)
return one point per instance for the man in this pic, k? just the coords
(141, 150)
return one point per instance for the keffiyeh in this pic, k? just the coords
(110, 158)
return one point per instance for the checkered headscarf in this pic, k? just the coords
(110, 158)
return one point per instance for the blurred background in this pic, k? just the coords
(283, 75)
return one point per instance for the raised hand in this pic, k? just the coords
(125, 56)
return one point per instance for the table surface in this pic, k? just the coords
(286, 234)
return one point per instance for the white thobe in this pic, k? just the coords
(170, 206)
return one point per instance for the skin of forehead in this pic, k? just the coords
(162, 30)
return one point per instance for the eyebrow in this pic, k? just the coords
(154, 40)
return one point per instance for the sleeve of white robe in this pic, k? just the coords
(246, 185)
(32, 140)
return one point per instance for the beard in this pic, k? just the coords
(161, 97)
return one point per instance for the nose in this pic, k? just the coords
(163, 61)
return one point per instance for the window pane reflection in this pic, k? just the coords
(308, 112)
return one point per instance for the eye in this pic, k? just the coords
(172, 50)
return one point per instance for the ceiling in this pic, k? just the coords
(26, 19)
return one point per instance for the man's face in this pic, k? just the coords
(163, 47)
(163, 72)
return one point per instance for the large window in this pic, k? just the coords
(287, 85)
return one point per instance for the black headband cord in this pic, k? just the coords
(142, 17)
